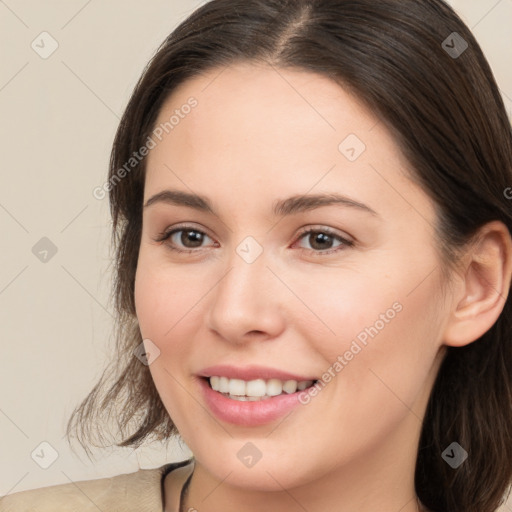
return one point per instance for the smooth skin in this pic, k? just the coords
(260, 134)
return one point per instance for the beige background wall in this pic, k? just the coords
(58, 119)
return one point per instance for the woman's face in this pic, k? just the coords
(357, 304)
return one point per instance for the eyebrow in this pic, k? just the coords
(292, 205)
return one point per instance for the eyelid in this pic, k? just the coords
(327, 230)
(183, 227)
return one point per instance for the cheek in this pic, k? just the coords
(378, 335)
(342, 304)
(164, 302)
(164, 298)
(387, 360)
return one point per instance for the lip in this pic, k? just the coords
(247, 414)
(252, 372)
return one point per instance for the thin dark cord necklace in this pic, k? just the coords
(183, 493)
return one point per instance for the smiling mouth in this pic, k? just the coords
(255, 390)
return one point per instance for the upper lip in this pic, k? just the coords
(252, 372)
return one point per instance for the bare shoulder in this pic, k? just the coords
(120, 492)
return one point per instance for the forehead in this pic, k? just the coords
(260, 130)
(252, 110)
(256, 103)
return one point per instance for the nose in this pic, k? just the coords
(248, 302)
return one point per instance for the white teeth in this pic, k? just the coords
(223, 384)
(236, 387)
(256, 389)
(214, 383)
(290, 386)
(304, 384)
(275, 387)
(247, 398)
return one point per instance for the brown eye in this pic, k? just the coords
(192, 237)
(320, 241)
(323, 241)
(184, 239)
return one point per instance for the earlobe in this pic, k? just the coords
(485, 286)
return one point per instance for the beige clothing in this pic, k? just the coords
(141, 491)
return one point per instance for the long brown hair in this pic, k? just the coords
(446, 113)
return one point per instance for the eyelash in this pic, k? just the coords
(165, 235)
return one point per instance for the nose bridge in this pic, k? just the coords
(246, 299)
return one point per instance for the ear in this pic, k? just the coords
(484, 286)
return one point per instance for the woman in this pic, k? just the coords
(314, 260)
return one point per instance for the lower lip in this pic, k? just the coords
(248, 414)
